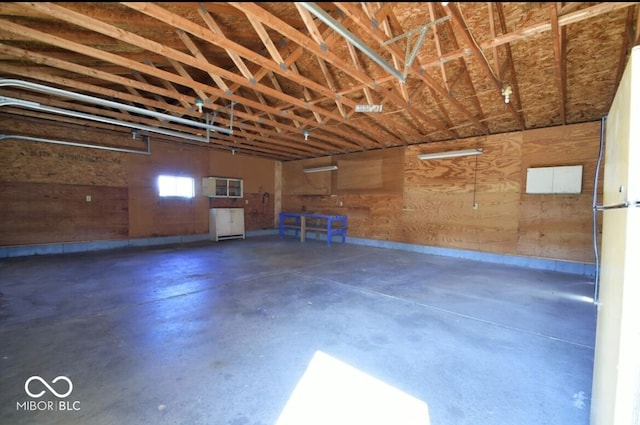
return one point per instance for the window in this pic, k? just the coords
(176, 186)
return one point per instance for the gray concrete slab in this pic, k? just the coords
(224, 333)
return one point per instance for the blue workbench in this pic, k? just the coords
(301, 223)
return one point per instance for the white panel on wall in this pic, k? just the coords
(560, 180)
(567, 179)
(539, 180)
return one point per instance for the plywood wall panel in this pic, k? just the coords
(151, 215)
(40, 213)
(552, 224)
(560, 226)
(435, 205)
(372, 172)
(497, 169)
(59, 168)
(46, 163)
(296, 182)
(450, 220)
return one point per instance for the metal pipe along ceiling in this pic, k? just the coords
(319, 13)
(110, 104)
(82, 145)
(8, 101)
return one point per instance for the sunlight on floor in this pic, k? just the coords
(333, 392)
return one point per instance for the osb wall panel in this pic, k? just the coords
(258, 174)
(38, 213)
(435, 205)
(44, 188)
(151, 215)
(72, 172)
(26, 161)
(259, 185)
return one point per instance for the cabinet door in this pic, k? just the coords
(236, 221)
(222, 188)
(235, 188)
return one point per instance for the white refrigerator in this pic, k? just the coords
(615, 398)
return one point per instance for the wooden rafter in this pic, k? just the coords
(558, 52)
(272, 70)
(329, 42)
(508, 63)
(256, 12)
(355, 14)
(64, 14)
(459, 21)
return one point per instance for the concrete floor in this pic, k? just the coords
(227, 333)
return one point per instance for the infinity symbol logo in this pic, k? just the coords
(54, 392)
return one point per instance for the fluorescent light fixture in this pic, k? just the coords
(320, 169)
(450, 154)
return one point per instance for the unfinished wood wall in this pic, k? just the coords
(387, 194)
(391, 195)
(44, 187)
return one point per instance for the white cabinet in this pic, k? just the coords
(222, 187)
(226, 223)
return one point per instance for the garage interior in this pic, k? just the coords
(466, 290)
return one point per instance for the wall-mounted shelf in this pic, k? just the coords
(222, 187)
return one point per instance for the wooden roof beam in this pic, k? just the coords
(560, 63)
(70, 16)
(380, 36)
(458, 21)
(251, 9)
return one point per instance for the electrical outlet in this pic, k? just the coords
(475, 205)
(88, 198)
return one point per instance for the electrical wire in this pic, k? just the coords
(475, 182)
(596, 288)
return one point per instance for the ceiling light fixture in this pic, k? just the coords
(450, 154)
(199, 104)
(507, 91)
(320, 169)
(306, 135)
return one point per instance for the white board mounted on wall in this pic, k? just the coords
(555, 180)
